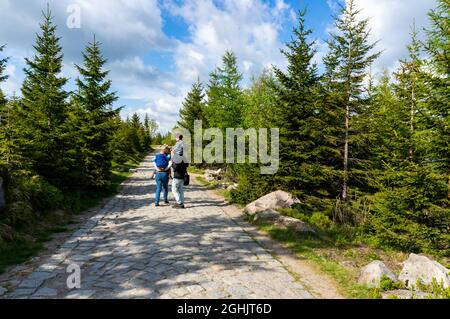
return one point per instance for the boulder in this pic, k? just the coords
(232, 187)
(2, 291)
(275, 200)
(421, 268)
(371, 274)
(2, 194)
(211, 175)
(272, 216)
(268, 215)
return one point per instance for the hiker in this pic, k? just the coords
(178, 149)
(179, 173)
(162, 168)
(154, 170)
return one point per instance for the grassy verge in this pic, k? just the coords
(30, 240)
(332, 251)
(321, 253)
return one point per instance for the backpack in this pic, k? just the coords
(161, 161)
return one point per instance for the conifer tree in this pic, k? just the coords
(438, 85)
(3, 76)
(4, 114)
(43, 107)
(304, 150)
(410, 88)
(193, 107)
(350, 57)
(224, 108)
(95, 99)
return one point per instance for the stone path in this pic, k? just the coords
(132, 249)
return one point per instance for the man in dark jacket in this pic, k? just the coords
(179, 172)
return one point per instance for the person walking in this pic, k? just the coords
(162, 168)
(179, 172)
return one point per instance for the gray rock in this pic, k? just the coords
(2, 291)
(371, 274)
(275, 200)
(2, 194)
(268, 215)
(423, 269)
(211, 175)
(274, 217)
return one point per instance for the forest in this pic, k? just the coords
(61, 150)
(367, 155)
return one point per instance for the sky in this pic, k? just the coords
(157, 49)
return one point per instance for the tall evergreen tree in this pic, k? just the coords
(438, 84)
(43, 107)
(4, 114)
(3, 76)
(95, 99)
(304, 151)
(193, 107)
(224, 108)
(350, 57)
(410, 88)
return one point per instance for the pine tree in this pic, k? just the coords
(350, 57)
(95, 99)
(306, 148)
(3, 77)
(4, 115)
(150, 128)
(224, 108)
(410, 88)
(193, 107)
(43, 107)
(438, 85)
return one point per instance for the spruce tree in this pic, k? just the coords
(43, 107)
(410, 89)
(193, 107)
(350, 57)
(3, 77)
(438, 85)
(4, 114)
(95, 99)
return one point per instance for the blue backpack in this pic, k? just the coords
(162, 161)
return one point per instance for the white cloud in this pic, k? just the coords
(390, 22)
(250, 28)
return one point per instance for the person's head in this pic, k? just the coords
(179, 137)
(167, 150)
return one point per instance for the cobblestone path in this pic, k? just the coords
(132, 249)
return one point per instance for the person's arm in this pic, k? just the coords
(156, 167)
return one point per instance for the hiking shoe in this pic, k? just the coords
(166, 202)
(156, 204)
(178, 206)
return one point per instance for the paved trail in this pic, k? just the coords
(132, 249)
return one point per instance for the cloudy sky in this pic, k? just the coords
(156, 49)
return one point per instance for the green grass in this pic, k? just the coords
(195, 170)
(304, 245)
(29, 241)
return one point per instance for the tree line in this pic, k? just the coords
(367, 153)
(54, 142)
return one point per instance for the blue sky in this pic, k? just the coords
(156, 49)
